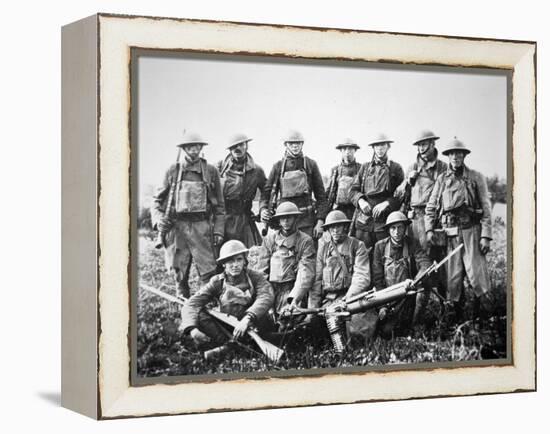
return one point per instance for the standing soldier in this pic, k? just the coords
(395, 259)
(372, 192)
(342, 271)
(295, 179)
(288, 259)
(459, 203)
(341, 178)
(241, 178)
(192, 224)
(243, 293)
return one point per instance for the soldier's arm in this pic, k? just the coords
(268, 186)
(485, 202)
(264, 295)
(316, 293)
(432, 207)
(218, 205)
(397, 178)
(319, 191)
(160, 197)
(360, 280)
(264, 257)
(401, 190)
(378, 276)
(190, 311)
(306, 269)
(356, 190)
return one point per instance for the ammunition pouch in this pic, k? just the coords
(294, 184)
(191, 197)
(343, 194)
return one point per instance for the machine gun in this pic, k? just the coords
(337, 313)
(272, 352)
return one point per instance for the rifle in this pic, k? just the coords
(161, 234)
(272, 352)
(332, 191)
(353, 224)
(273, 199)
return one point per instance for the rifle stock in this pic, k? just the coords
(272, 352)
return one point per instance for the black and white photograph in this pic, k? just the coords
(293, 215)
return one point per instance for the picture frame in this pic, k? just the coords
(97, 209)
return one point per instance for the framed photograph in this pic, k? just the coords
(262, 216)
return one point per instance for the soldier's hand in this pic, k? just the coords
(379, 209)
(199, 337)
(265, 215)
(484, 245)
(241, 328)
(218, 240)
(430, 238)
(165, 224)
(318, 229)
(382, 313)
(364, 206)
(411, 179)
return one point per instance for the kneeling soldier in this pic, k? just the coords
(342, 269)
(241, 177)
(398, 258)
(288, 258)
(193, 227)
(239, 291)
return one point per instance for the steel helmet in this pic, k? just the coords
(192, 138)
(231, 248)
(347, 142)
(336, 217)
(287, 209)
(456, 145)
(235, 139)
(380, 139)
(293, 136)
(396, 217)
(425, 135)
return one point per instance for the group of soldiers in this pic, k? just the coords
(374, 226)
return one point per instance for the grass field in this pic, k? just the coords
(163, 351)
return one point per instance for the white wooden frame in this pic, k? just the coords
(96, 216)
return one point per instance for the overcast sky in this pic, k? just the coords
(217, 97)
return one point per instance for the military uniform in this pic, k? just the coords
(393, 264)
(198, 213)
(247, 294)
(289, 263)
(341, 179)
(240, 182)
(298, 178)
(375, 182)
(459, 203)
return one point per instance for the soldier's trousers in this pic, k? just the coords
(468, 262)
(241, 227)
(190, 240)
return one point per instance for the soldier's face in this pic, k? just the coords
(348, 153)
(193, 151)
(456, 158)
(235, 265)
(425, 146)
(294, 147)
(381, 149)
(287, 223)
(239, 150)
(337, 232)
(397, 232)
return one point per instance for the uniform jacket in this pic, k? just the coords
(360, 190)
(304, 252)
(355, 256)
(261, 291)
(420, 192)
(192, 172)
(314, 179)
(253, 180)
(469, 188)
(342, 169)
(418, 262)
